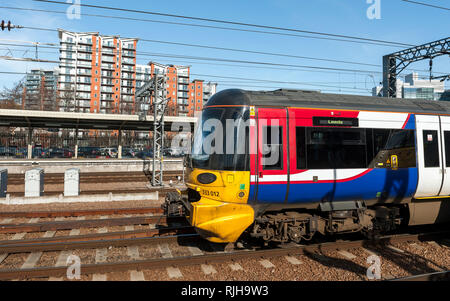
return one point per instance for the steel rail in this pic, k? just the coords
(162, 191)
(118, 239)
(77, 213)
(93, 223)
(215, 257)
(435, 276)
(99, 236)
(89, 178)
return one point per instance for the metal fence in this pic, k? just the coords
(15, 144)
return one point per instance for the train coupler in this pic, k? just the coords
(173, 205)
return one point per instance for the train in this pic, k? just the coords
(283, 166)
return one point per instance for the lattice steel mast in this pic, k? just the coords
(153, 94)
(395, 63)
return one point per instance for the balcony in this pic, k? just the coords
(85, 42)
(85, 49)
(107, 90)
(183, 88)
(129, 46)
(108, 59)
(182, 109)
(128, 54)
(127, 61)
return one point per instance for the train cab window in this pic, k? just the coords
(388, 143)
(431, 148)
(301, 147)
(329, 148)
(447, 148)
(272, 148)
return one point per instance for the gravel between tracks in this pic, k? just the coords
(329, 266)
(80, 206)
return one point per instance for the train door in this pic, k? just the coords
(272, 157)
(445, 138)
(429, 156)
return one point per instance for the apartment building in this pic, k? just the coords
(199, 93)
(39, 92)
(97, 73)
(177, 84)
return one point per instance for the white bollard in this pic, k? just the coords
(72, 182)
(3, 183)
(34, 183)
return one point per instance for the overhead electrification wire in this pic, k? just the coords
(205, 75)
(227, 22)
(202, 26)
(426, 4)
(240, 84)
(236, 50)
(48, 45)
(241, 61)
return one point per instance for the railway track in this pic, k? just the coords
(91, 223)
(162, 191)
(101, 240)
(219, 256)
(437, 276)
(109, 182)
(95, 177)
(77, 213)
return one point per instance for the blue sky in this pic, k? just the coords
(400, 22)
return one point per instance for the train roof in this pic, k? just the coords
(316, 99)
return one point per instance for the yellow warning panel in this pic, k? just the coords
(252, 111)
(394, 161)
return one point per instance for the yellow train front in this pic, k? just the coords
(218, 180)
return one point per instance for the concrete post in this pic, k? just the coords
(3, 183)
(119, 142)
(30, 143)
(76, 145)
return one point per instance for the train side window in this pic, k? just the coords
(330, 148)
(431, 148)
(301, 147)
(272, 148)
(447, 148)
(387, 143)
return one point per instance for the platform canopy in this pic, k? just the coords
(50, 119)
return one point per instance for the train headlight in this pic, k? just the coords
(206, 178)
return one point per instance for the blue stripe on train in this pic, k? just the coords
(378, 183)
(411, 124)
